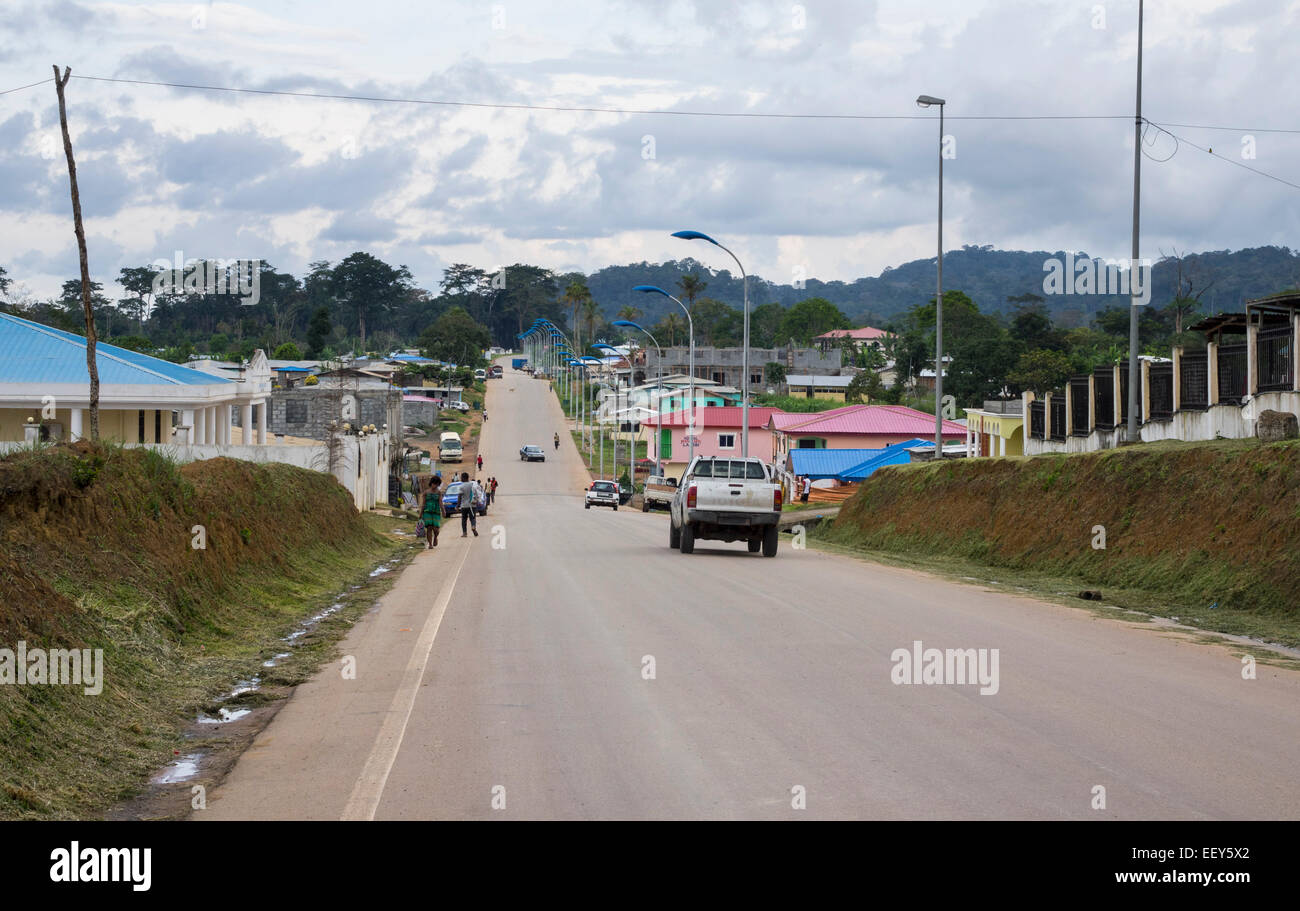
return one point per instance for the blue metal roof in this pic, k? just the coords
(33, 353)
(827, 463)
(896, 454)
(849, 464)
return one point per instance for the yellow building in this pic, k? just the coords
(997, 429)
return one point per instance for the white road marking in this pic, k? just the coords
(369, 789)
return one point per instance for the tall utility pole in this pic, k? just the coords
(92, 337)
(1133, 373)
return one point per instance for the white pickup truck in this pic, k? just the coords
(658, 493)
(722, 499)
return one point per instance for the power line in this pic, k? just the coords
(28, 86)
(1204, 126)
(1210, 151)
(380, 99)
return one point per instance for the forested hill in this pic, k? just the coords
(987, 275)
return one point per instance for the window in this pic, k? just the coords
(726, 441)
(756, 379)
(141, 426)
(295, 412)
(719, 379)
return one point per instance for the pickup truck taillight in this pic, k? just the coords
(776, 500)
(690, 497)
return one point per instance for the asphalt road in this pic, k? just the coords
(513, 681)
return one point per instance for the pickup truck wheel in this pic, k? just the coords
(770, 538)
(615, 507)
(645, 505)
(674, 536)
(754, 544)
(688, 539)
(586, 506)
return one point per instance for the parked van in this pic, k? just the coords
(449, 448)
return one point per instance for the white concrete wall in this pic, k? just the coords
(1227, 421)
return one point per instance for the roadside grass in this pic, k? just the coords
(178, 627)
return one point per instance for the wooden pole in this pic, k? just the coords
(91, 338)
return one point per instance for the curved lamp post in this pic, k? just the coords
(744, 359)
(659, 382)
(690, 325)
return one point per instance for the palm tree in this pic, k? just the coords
(691, 288)
(671, 325)
(574, 295)
(590, 313)
(629, 313)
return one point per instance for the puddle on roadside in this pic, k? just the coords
(182, 769)
(225, 716)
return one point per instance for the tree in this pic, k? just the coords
(288, 352)
(138, 282)
(318, 332)
(629, 313)
(1191, 282)
(810, 318)
(1040, 371)
(691, 287)
(367, 286)
(455, 337)
(765, 325)
(774, 370)
(866, 387)
(575, 296)
(669, 328)
(716, 323)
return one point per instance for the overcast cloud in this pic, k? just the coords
(293, 180)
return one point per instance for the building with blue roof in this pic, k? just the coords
(45, 391)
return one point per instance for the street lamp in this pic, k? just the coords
(659, 385)
(926, 101)
(744, 357)
(631, 472)
(690, 325)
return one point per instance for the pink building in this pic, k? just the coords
(852, 427)
(717, 432)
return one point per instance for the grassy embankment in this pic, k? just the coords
(96, 551)
(1206, 533)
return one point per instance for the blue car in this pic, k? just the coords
(451, 500)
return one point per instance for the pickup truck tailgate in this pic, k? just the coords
(737, 495)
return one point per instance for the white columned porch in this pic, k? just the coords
(210, 424)
(75, 425)
(1002, 446)
(200, 426)
(261, 423)
(187, 419)
(246, 422)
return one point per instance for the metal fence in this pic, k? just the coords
(1232, 373)
(1036, 422)
(1275, 357)
(1194, 391)
(1104, 385)
(1079, 406)
(1058, 417)
(1161, 392)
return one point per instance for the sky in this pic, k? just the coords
(291, 180)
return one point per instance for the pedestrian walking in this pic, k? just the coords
(493, 498)
(480, 461)
(431, 513)
(805, 489)
(465, 502)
